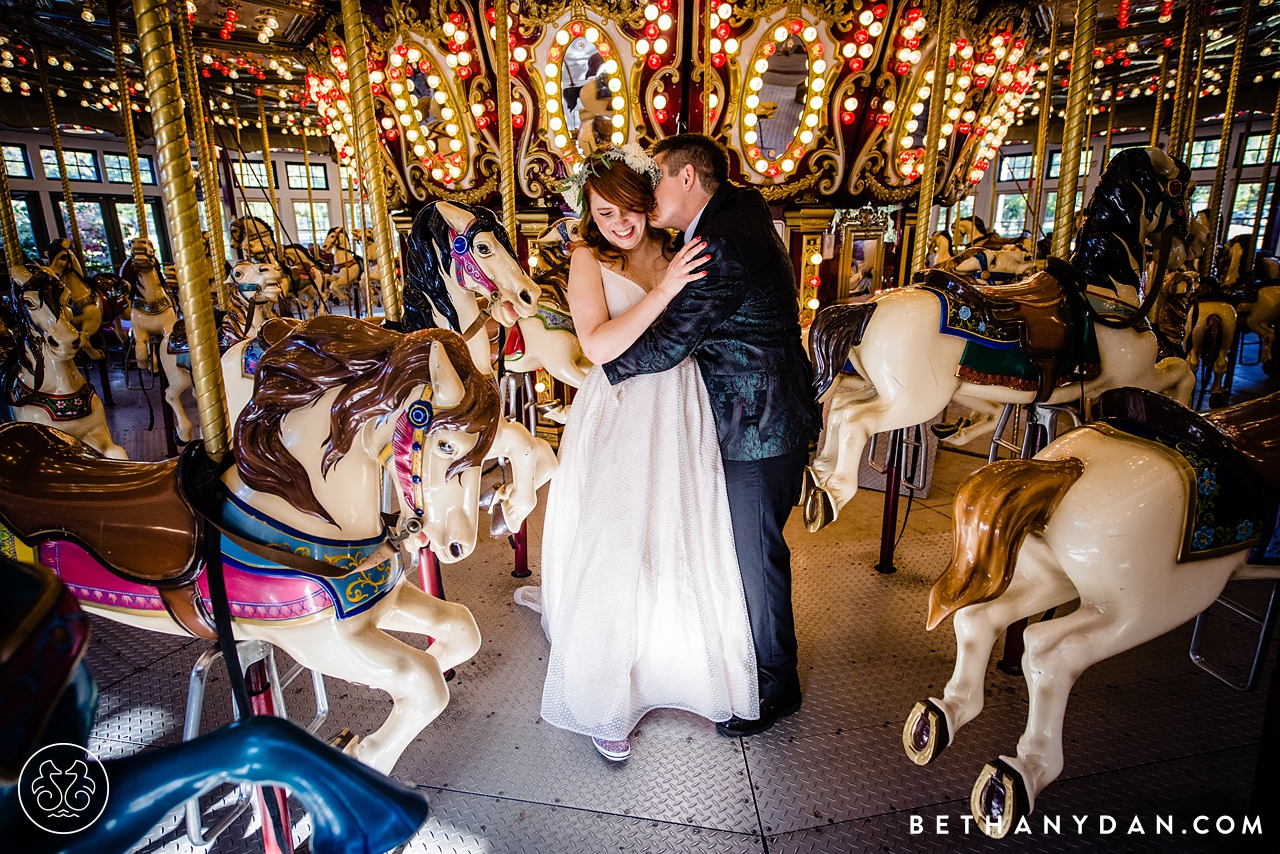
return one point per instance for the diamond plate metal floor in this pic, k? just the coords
(1147, 733)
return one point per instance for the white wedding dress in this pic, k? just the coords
(641, 595)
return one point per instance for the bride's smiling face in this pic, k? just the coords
(623, 228)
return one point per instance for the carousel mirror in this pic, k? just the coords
(782, 102)
(436, 128)
(863, 235)
(584, 92)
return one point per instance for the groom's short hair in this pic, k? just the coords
(708, 158)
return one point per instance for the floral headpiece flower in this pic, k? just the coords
(574, 190)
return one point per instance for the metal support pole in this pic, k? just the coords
(367, 132)
(506, 133)
(311, 199)
(126, 120)
(933, 133)
(1064, 214)
(1106, 143)
(1228, 125)
(1035, 210)
(177, 184)
(1177, 122)
(9, 230)
(73, 225)
(1193, 105)
(271, 175)
(892, 485)
(1229, 198)
(1163, 59)
(1266, 179)
(213, 208)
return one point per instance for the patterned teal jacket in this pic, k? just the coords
(742, 323)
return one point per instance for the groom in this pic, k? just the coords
(741, 322)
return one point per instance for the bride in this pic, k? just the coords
(641, 595)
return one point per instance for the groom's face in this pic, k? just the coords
(669, 197)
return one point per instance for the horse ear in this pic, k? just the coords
(458, 218)
(447, 389)
(1163, 163)
(237, 232)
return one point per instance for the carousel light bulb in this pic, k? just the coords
(561, 140)
(731, 46)
(411, 134)
(562, 39)
(446, 113)
(448, 27)
(912, 125)
(397, 89)
(875, 29)
(86, 14)
(520, 54)
(551, 69)
(917, 108)
(713, 100)
(437, 173)
(761, 165)
(806, 137)
(477, 110)
(762, 65)
(263, 37)
(815, 103)
(618, 102)
(866, 50)
(888, 107)
(906, 142)
(660, 45)
(460, 37)
(810, 33)
(953, 113)
(413, 55)
(651, 12)
(618, 137)
(848, 50)
(592, 34)
(754, 84)
(517, 108)
(787, 165)
(750, 119)
(714, 45)
(750, 137)
(819, 66)
(660, 101)
(556, 123)
(433, 82)
(664, 22)
(375, 76)
(715, 20)
(610, 66)
(464, 58)
(780, 34)
(866, 18)
(642, 47)
(811, 120)
(553, 106)
(818, 84)
(451, 129)
(387, 122)
(724, 10)
(451, 60)
(406, 120)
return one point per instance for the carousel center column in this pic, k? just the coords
(933, 133)
(177, 185)
(367, 132)
(1064, 214)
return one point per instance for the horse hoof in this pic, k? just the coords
(925, 734)
(818, 510)
(345, 741)
(999, 799)
(945, 430)
(807, 485)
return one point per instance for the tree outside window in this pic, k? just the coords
(1015, 167)
(26, 231)
(1255, 150)
(93, 235)
(250, 176)
(1051, 207)
(309, 232)
(1246, 205)
(1011, 214)
(1055, 162)
(1199, 199)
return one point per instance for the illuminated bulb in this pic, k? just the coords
(806, 136)
(387, 122)
(660, 45)
(731, 46)
(750, 120)
(811, 120)
(556, 123)
(477, 109)
(660, 102)
(664, 22)
(551, 69)
(455, 145)
(593, 35)
(749, 137)
(724, 10)
(780, 34)
(651, 12)
(762, 65)
(813, 304)
(610, 67)
(619, 120)
(520, 54)
(618, 138)
(754, 84)
(787, 165)
(761, 165)
(615, 85)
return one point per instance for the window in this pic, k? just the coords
(1255, 150)
(1015, 167)
(965, 208)
(297, 174)
(81, 165)
(26, 226)
(262, 210)
(1051, 207)
(15, 161)
(309, 232)
(1116, 149)
(1246, 205)
(118, 171)
(354, 218)
(1204, 154)
(1055, 162)
(1011, 214)
(1200, 198)
(250, 175)
(127, 216)
(93, 235)
(345, 176)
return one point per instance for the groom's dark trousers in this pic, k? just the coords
(741, 321)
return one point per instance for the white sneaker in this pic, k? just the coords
(614, 751)
(530, 597)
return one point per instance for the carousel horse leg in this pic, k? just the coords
(455, 636)
(933, 724)
(166, 412)
(432, 583)
(104, 379)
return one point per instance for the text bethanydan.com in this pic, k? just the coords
(1097, 825)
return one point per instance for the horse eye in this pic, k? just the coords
(482, 248)
(445, 447)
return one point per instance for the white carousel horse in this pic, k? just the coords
(1146, 532)
(372, 270)
(971, 231)
(456, 253)
(304, 282)
(152, 314)
(83, 295)
(980, 262)
(1208, 326)
(908, 371)
(258, 287)
(345, 281)
(44, 386)
(306, 480)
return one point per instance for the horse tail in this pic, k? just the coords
(1211, 343)
(835, 330)
(995, 508)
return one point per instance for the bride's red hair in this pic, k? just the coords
(617, 184)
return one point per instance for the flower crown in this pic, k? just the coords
(574, 189)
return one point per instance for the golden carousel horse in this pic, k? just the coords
(309, 561)
(85, 296)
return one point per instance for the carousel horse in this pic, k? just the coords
(39, 382)
(979, 262)
(345, 281)
(353, 808)
(304, 279)
(372, 270)
(257, 293)
(1144, 515)
(971, 231)
(152, 315)
(85, 296)
(1197, 319)
(310, 563)
(1072, 330)
(457, 253)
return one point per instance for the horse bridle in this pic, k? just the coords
(464, 265)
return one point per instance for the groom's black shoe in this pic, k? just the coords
(770, 712)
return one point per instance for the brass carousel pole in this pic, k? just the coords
(1266, 180)
(1064, 214)
(1193, 105)
(1184, 77)
(126, 119)
(1106, 143)
(311, 199)
(1228, 125)
(933, 132)
(367, 133)
(9, 228)
(506, 134)
(1163, 59)
(355, 178)
(271, 177)
(1035, 210)
(204, 157)
(73, 225)
(177, 185)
